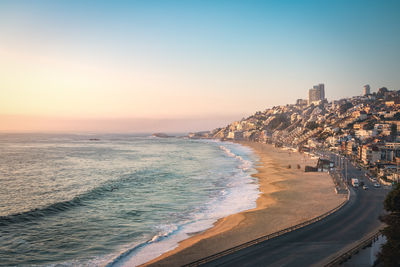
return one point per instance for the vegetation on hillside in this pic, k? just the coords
(280, 121)
(390, 253)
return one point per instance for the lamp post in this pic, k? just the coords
(343, 168)
(346, 163)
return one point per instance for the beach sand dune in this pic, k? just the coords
(288, 197)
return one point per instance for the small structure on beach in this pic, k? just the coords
(278, 145)
(310, 169)
(325, 165)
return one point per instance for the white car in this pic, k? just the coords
(376, 185)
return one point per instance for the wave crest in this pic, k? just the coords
(55, 208)
(245, 164)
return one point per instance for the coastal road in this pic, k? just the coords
(314, 243)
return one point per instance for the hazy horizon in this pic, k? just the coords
(40, 124)
(172, 65)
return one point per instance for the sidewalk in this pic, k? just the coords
(340, 187)
(367, 256)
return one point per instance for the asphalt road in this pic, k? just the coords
(314, 243)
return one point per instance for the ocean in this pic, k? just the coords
(104, 200)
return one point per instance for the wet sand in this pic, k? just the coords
(288, 197)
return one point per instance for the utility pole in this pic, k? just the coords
(346, 163)
(336, 161)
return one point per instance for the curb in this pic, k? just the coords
(342, 256)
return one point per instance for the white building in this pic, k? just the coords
(370, 155)
(362, 134)
(316, 94)
(383, 128)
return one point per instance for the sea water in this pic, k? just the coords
(110, 200)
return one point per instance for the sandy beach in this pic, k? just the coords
(288, 197)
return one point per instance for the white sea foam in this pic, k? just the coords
(165, 230)
(245, 164)
(240, 194)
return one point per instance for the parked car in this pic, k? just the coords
(365, 187)
(376, 185)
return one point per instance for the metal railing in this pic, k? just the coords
(343, 257)
(266, 237)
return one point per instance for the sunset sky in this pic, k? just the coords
(128, 66)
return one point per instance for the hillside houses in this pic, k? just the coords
(363, 128)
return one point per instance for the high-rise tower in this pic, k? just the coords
(367, 89)
(321, 87)
(316, 93)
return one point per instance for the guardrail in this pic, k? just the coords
(346, 255)
(266, 237)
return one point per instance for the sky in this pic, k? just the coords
(139, 66)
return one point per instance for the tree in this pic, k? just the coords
(382, 91)
(343, 108)
(393, 131)
(311, 125)
(389, 254)
(397, 116)
(370, 125)
(280, 120)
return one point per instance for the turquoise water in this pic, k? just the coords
(69, 200)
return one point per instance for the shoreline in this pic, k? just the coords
(287, 197)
